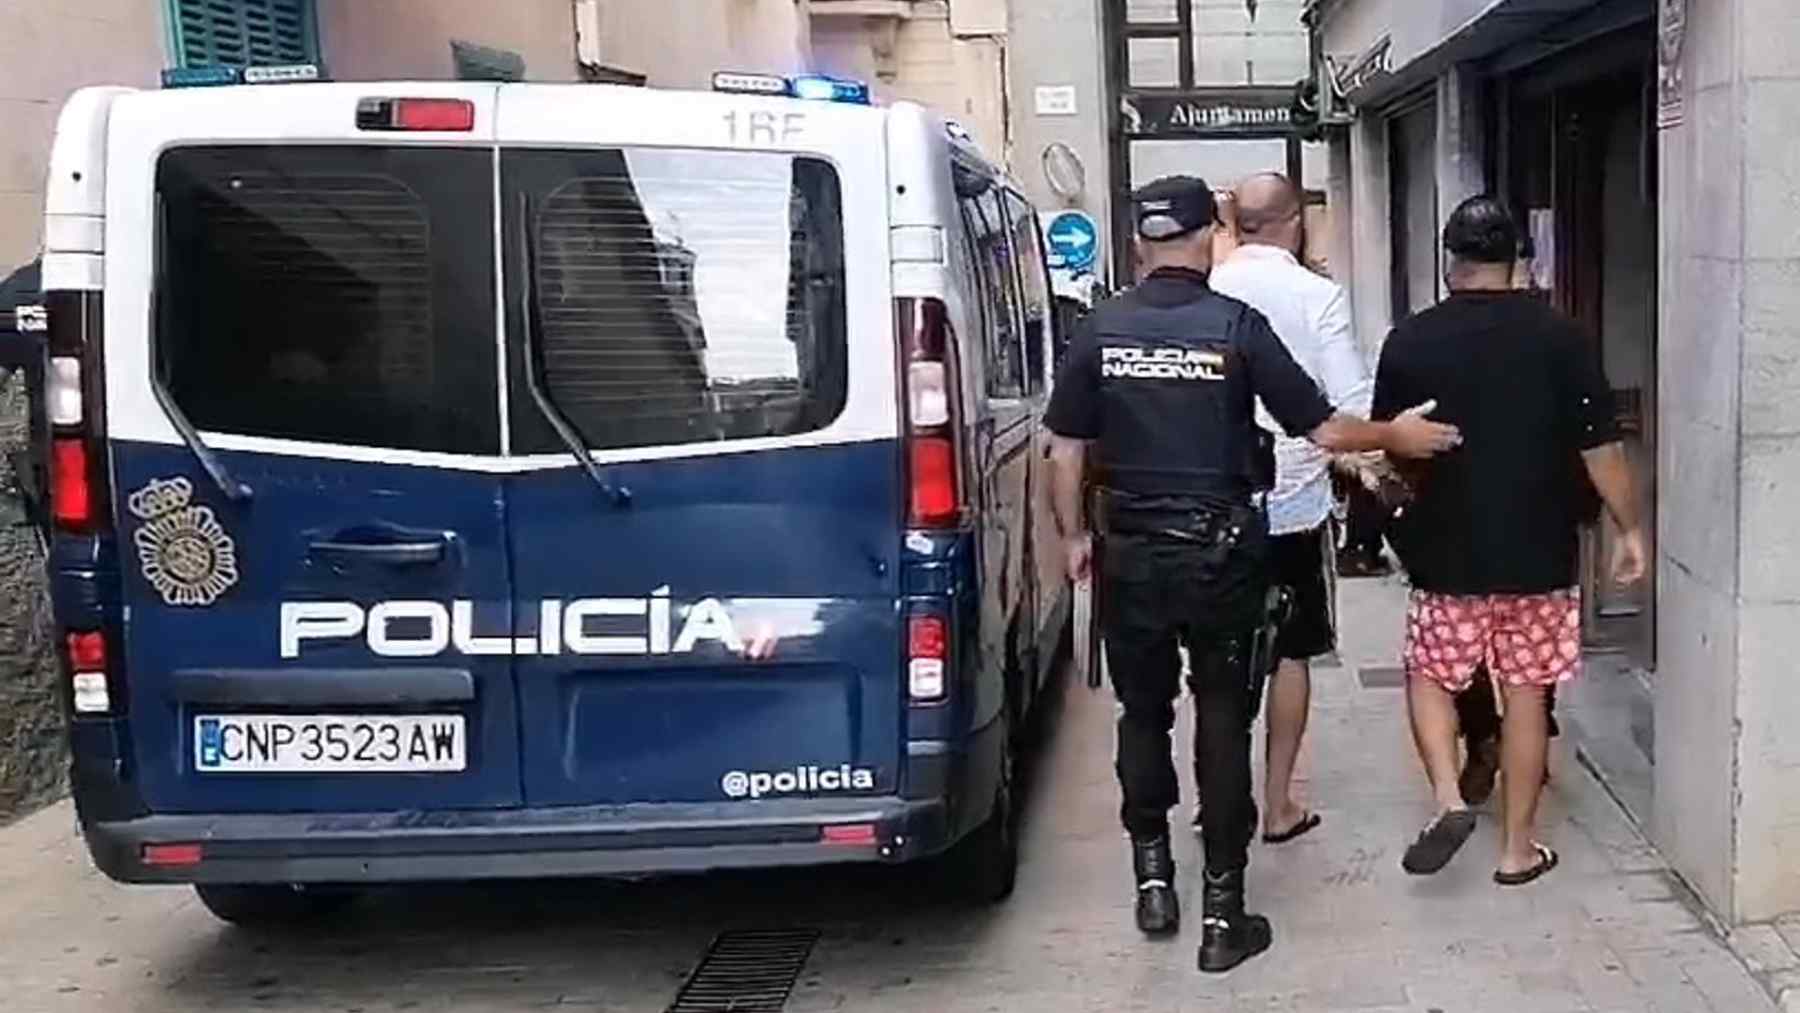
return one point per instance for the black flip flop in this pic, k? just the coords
(1547, 860)
(1307, 824)
(1439, 843)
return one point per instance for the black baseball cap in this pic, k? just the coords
(1174, 206)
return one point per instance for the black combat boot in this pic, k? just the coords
(1158, 909)
(1229, 936)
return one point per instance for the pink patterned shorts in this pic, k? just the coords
(1524, 639)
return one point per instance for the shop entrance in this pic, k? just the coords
(1578, 159)
(1206, 88)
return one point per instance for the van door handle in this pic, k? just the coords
(339, 550)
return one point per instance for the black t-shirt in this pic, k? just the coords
(1164, 379)
(1499, 515)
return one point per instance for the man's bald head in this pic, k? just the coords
(1269, 209)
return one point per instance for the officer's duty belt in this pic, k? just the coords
(1197, 519)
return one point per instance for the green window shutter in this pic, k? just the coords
(243, 33)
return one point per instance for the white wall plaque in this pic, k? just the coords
(1056, 100)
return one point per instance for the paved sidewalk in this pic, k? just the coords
(1608, 932)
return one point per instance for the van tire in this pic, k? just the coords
(270, 905)
(983, 867)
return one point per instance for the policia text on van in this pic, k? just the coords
(522, 480)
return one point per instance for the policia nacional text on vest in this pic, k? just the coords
(1160, 386)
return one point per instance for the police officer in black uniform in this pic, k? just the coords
(1161, 383)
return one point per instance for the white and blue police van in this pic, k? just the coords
(472, 480)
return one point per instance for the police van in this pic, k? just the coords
(463, 480)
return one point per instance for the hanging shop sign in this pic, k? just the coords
(1222, 114)
(1351, 75)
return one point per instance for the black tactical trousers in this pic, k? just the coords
(1158, 595)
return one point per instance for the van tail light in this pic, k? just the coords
(849, 835)
(173, 855)
(932, 466)
(62, 391)
(87, 673)
(927, 658)
(445, 115)
(931, 397)
(71, 494)
(74, 410)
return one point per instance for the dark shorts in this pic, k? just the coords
(1298, 562)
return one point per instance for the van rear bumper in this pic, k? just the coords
(378, 847)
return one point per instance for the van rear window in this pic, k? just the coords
(674, 297)
(338, 295)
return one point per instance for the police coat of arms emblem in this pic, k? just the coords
(183, 549)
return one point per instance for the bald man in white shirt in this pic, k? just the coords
(1311, 315)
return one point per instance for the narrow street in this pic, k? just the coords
(1609, 932)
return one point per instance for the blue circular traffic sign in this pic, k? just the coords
(1074, 241)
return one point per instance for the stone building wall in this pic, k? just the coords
(32, 767)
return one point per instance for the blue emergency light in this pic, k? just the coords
(810, 87)
(199, 77)
(212, 77)
(818, 88)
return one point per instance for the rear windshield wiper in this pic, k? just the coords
(215, 469)
(233, 490)
(528, 298)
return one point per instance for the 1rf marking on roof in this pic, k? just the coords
(765, 128)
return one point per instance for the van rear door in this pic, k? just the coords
(717, 599)
(318, 304)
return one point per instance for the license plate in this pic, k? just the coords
(329, 744)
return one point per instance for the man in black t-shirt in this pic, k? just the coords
(1161, 384)
(1491, 537)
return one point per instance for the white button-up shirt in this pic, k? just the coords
(1311, 315)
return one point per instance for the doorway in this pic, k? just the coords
(1607, 281)
(1576, 147)
(1206, 88)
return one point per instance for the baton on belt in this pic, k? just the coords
(1094, 648)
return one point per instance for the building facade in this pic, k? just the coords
(1207, 88)
(1647, 146)
(1060, 107)
(949, 56)
(953, 57)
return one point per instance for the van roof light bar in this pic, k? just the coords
(293, 73)
(809, 87)
(220, 76)
(819, 88)
(200, 77)
(750, 84)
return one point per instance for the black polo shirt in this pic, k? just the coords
(1164, 380)
(1501, 514)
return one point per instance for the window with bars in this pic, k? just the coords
(676, 296)
(243, 33)
(1215, 43)
(332, 295)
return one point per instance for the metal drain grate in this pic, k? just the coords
(747, 972)
(1381, 676)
